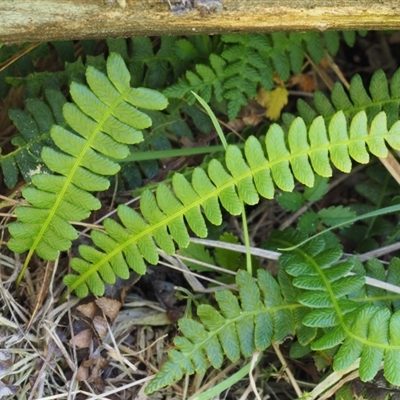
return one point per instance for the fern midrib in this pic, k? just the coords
(338, 310)
(70, 176)
(198, 346)
(363, 107)
(234, 181)
(26, 147)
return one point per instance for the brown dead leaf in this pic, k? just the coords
(100, 363)
(5, 362)
(252, 115)
(95, 365)
(305, 82)
(100, 325)
(273, 101)
(236, 125)
(7, 390)
(82, 374)
(324, 63)
(90, 324)
(110, 307)
(88, 310)
(82, 339)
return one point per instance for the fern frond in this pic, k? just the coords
(247, 62)
(247, 176)
(235, 329)
(316, 291)
(104, 118)
(331, 295)
(34, 129)
(381, 97)
(153, 68)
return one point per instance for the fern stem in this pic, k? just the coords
(160, 154)
(246, 238)
(245, 228)
(227, 383)
(213, 119)
(376, 213)
(274, 255)
(254, 359)
(25, 266)
(287, 370)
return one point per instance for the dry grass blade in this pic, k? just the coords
(45, 285)
(392, 165)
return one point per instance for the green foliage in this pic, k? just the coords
(34, 129)
(382, 97)
(236, 329)
(247, 62)
(247, 176)
(292, 201)
(105, 119)
(173, 56)
(310, 221)
(319, 297)
(224, 258)
(22, 71)
(378, 190)
(316, 297)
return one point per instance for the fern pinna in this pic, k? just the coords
(238, 329)
(104, 119)
(316, 296)
(34, 134)
(382, 97)
(363, 322)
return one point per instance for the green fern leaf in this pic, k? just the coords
(296, 52)
(246, 62)
(238, 329)
(393, 277)
(291, 294)
(247, 176)
(34, 134)
(350, 104)
(371, 356)
(332, 41)
(363, 329)
(340, 99)
(279, 57)
(306, 111)
(392, 366)
(315, 47)
(349, 37)
(105, 119)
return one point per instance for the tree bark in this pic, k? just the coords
(44, 20)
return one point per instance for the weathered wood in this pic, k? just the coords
(43, 20)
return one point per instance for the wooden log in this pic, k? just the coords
(44, 20)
